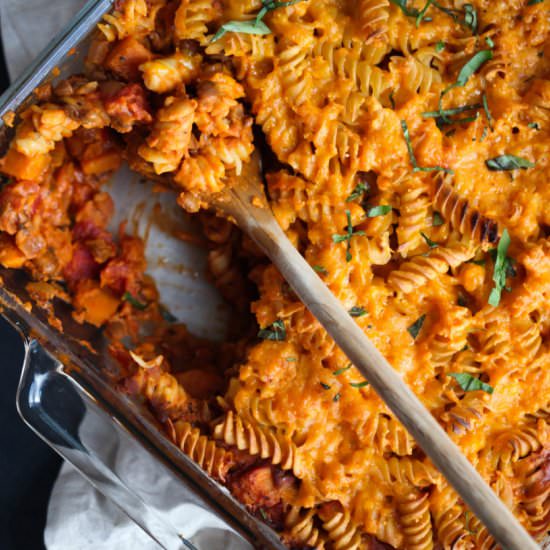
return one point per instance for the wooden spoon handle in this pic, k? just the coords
(262, 227)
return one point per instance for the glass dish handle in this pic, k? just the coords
(65, 417)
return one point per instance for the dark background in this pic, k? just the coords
(27, 466)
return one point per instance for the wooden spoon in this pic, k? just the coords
(246, 204)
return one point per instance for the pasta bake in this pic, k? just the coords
(406, 156)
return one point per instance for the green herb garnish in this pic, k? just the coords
(487, 112)
(469, 68)
(342, 370)
(422, 12)
(412, 158)
(347, 237)
(508, 162)
(320, 269)
(533, 2)
(245, 27)
(429, 242)
(451, 112)
(134, 301)
(500, 269)
(275, 332)
(324, 386)
(489, 42)
(469, 383)
(472, 66)
(470, 18)
(359, 384)
(481, 262)
(416, 327)
(358, 191)
(291, 359)
(437, 219)
(409, 12)
(336, 398)
(392, 100)
(380, 210)
(253, 26)
(357, 311)
(440, 46)
(483, 134)
(533, 125)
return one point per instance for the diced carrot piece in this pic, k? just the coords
(95, 305)
(106, 162)
(22, 167)
(10, 255)
(125, 58)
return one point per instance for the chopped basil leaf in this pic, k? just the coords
(468, 69)
(469, 383)
(357, 311)
(320, 269)
(481, 262)
(254, 26)
(422, 12)
(245, 27)
(167, 316)
(429, 242)
(412, 158)
(508, 162)
(347, 237)
(450, 12)
(487, 112)
(325, 386)
(500, 268)
(342, 370)
(357, 193)
(392, 100)
(470, 18)
(533, 2)
(490, 42)
(337, 238)
(415, 328)
(275, 332)
(336, 398)
(359, 384)
(134, 301)
(451, 112)
(263, 514)
(472, 66)
(409, 12)
(484, 134)
(533, 125)
(461, 301)
(291, 359)
(440, 46)
(380, 210)
(437, 219)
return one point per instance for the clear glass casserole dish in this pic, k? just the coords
(65, 395)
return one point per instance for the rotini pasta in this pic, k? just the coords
(405, 149)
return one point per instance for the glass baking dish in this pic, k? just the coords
(65, 395)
